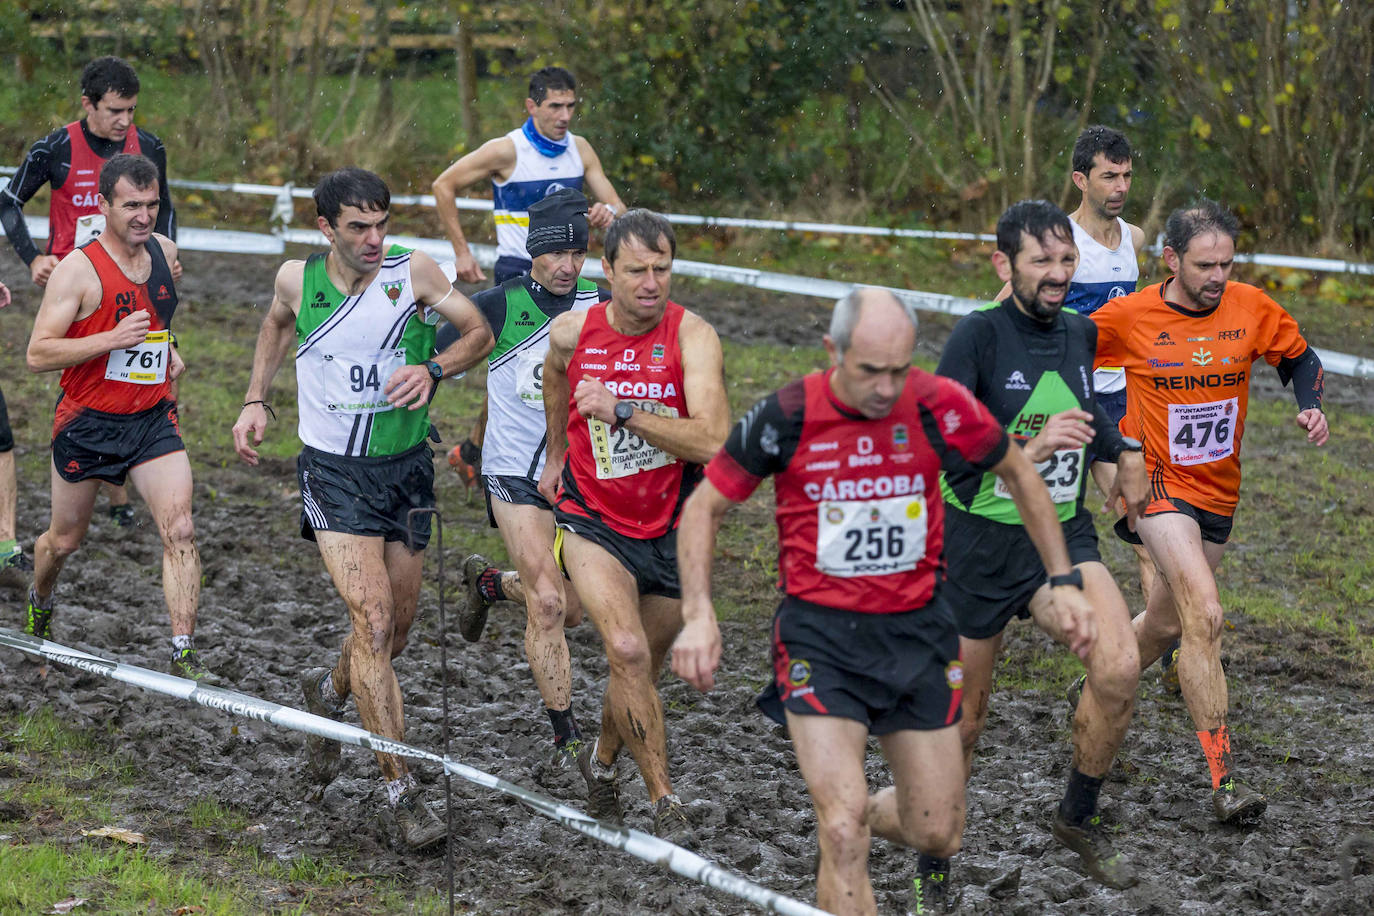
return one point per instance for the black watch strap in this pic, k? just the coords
(1073, 577)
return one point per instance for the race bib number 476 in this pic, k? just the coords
(1202, 433)
(870, 538)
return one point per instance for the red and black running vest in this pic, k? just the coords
(76, 197)
(633, 487)
(123, 381)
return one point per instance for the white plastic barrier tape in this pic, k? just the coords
(649, 848)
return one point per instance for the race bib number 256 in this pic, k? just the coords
(870, 538)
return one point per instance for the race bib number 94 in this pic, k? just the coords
(529, 379)
(356, 382)
(870, 538)
(1202, 433)
(1062, 473)
(621, 453)
(145, 364)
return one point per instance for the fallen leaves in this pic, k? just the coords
(117, 833)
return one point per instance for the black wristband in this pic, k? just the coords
(265, 406)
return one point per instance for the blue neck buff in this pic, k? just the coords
(551, 148)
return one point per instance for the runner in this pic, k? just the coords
(634, 392)
(1187, 345)
(1030, 361)
(362, 318)
(863, 642)
(69, 159)
(519, 313)
(532, 161)
(13, 560)
(105, 320)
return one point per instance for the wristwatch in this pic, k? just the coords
(436, 371)
(623, 411)
(1131, 445)
(1073, 577)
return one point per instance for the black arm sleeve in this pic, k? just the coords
(166, 216)
(1307, 376)
(765, 439)
(492, 304)
(35, 171)
(962, 354)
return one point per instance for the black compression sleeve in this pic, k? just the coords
(35, 171)
(1307, 376)
(166, 215)
(12, 218)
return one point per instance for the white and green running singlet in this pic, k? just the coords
(347, 347)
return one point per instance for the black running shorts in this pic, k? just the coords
(652, 561)
(104, 446)
(892, 672)
(1215, 528)
(992, 569)
(518, 491)
(369, 497)
(6, 434)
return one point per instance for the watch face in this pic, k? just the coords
(624, 411)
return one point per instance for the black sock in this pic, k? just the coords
(1080, 799)
(930, 866)
(489, 584)
(564, 726)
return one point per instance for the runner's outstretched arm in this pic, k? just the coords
(696, 651)
(275, 337)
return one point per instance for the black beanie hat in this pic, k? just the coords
(558, 222)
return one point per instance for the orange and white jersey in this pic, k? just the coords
(1188, 383)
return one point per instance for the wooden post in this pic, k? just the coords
(467, 82)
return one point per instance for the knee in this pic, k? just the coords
(62, 546)
(378, 637)
(628, 654)
(545, 610)
(974, 717)
(941, 837)
(1205, 625)
(179, 533)
(844, 836)
(1114, 679)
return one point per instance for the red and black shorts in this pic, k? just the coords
(652, 561)
(105, 446)
(1215, 528)
(892, 672)
(368, 497)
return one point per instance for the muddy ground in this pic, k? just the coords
(1305, 732)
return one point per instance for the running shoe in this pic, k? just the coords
(472, 619)
(1236, 803)
(1074, 691)
(466, 461)
(185, 663)
(37, 620)
(671, 824)
(1100, 860)
(17, 561)
(322, 761)
(603, 792)
(123, 515)
(930, 894)
(418, 826)
(1168, 669)
(560, 772)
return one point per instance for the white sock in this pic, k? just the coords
(328, 693)
(398, 787)
(180, 643)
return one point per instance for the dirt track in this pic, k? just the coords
(1305, 734)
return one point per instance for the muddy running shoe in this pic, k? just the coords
(1168, 669)
(416, 823)
(321, 755)
(1236, 803)
(930, 894)
(1095, 851)
(671, 824)
(185, 663)
(123, 516)
(37, 620)
(466, 461)
(560, 772)
(603, 792)
(1074, 691)
(17, 561)
(472, 619)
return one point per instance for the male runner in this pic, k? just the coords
(536, 159)
(519, 313)
(1030, 361)
(12, 556)
(1187, 345)
(634, 392)
(362, 320)
(105, 320)
(69, 159)
(863, 642)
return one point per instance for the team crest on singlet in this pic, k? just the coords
(393, 290)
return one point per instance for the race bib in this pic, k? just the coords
(1062, 473)
(529, 379)
(870, 538)
(354, 382)
(88, 227)
(145, 364)
(621, 453)
(1202, 433)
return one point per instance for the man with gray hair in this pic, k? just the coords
(863, 642)
(634, 395)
